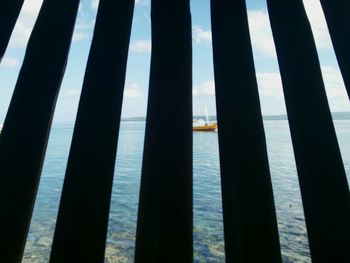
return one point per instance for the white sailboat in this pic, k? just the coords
(204, 125)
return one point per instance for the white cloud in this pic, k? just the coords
(94, 4)
(270, 84)
(261, 35)
(85, 22)
(9, 62)
(141, 46)
(205, 89)
(260, 32)
(132, 91)
(333, 82)
(20, 35)
(318, 23)
(31, 7)
(79, 36)
(25, 23)
(200, 35)
(142, 2)
(27, 18)
(73, 93)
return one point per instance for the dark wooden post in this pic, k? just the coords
(324, 188)
(338, 20)
(164, 230)
(81, 228)
(9, 11)
(250, 225)
(25, 133)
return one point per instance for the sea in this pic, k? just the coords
(208, 227)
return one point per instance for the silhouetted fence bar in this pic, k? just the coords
(165, 219)
(9, 11)
(81, 228)
(324, 188)
(338, 20)
(25, 133)
(250, 224)
(164, 230)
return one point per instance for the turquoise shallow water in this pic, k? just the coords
(208, 229)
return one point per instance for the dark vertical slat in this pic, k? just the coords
(24, 136)
(338, 20)
(81, 228)
(324, 188)
(250, 225)
(9, 11)
(164, 230)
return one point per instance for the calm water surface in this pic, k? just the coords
(208, 229)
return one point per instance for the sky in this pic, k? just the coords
(136, 83)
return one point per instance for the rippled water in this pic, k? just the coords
(208, 229)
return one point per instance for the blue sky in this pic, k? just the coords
(136, 85)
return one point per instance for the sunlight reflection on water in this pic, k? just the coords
(208, 229)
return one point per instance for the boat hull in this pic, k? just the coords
(210, 127)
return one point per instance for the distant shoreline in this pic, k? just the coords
(281, 117)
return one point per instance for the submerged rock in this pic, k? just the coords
(44, 241)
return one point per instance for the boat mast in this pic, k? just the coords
(206, 114)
